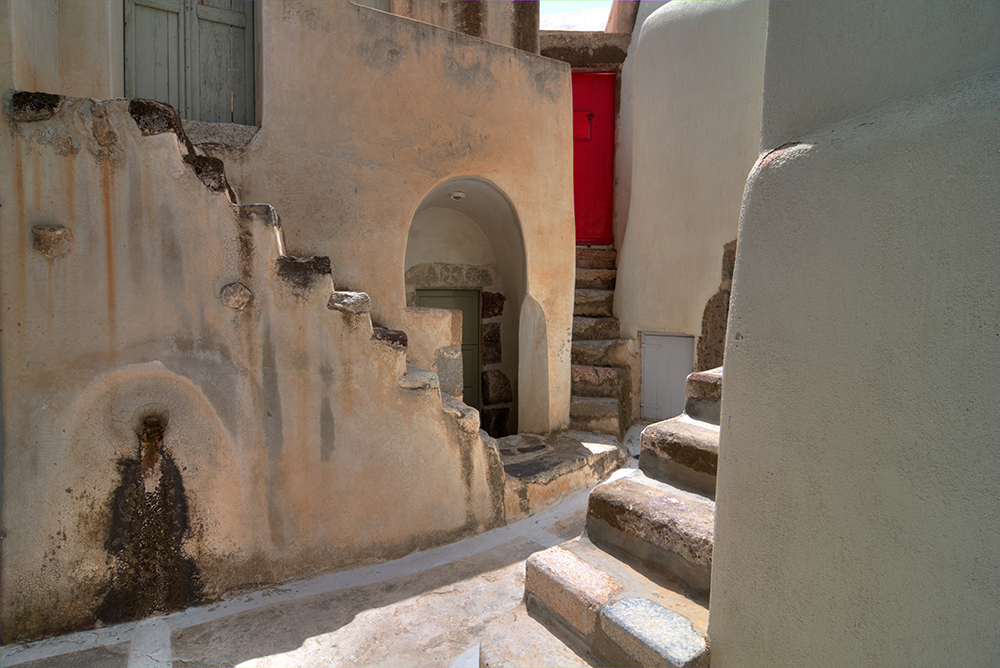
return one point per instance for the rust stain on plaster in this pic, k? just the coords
(109, 255)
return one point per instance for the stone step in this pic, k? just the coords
(658, 526)
(590, 329)
(595, 258)
(518, 640)
(625, 616)
(683, 452)
(602, 352)
(703, 390)
(597, 381)
(595, 279)
(594, 303)
(539, 471)
(594, 414)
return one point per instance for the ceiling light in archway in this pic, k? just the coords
(457, 195)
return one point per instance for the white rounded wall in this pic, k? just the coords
(696, 91)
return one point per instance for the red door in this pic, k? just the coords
(593, 155)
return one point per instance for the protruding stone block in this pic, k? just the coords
(589, 329)
(416, 378)
(682, 451)
(51, 240)
(235, 296)
(28, 107)
(354, 303)
(593, 303)
(392, 337)
(493, 304)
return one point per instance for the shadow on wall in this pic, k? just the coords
(466, 236)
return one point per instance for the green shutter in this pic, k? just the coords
(196, 56)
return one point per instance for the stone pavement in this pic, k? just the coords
(426, 609)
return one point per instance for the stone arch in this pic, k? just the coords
(466, 235)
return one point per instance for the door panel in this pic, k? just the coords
(666, 362)
(466, 301)
(593, 155)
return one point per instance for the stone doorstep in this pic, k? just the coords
(682, 451)
(596, 279)
(659, 526)
(611, 352)
(596, 381)
(541, 470)
(580, 591)
(590, 329)
(593, 303)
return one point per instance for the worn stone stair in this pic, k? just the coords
(601, 373)
(634, 590)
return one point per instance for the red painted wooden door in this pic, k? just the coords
(593, 155)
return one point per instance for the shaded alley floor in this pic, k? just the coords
(426, 609)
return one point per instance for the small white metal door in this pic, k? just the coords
(667, 359)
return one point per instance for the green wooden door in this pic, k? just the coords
(466, 301)
(196, 55)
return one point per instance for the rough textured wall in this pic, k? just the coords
(857, 498)
(696, 96)
(365, 113)
(509, 23)
(73, 47)
(185, 413)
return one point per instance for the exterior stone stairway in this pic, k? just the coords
(601, 377)
(634, 590)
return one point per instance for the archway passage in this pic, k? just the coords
(465, 237)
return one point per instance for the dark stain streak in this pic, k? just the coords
(149, 522)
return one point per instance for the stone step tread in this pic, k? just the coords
(596, 258)
(704, 384)
(515, 639)
(541, 470)
(596, 381)
(581, 591)
(593, 303)
(657, 525)
(601, 352)
(599, 279)
(593, 407)
(681, 450)
(587, 328)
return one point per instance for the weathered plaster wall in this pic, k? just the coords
(857, 498)
(395, 108)
(696, 96)
(293, 443)
(74, 48)
(509, 23)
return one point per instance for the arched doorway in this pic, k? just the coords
(465, 251)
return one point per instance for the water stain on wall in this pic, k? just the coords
(149, 522)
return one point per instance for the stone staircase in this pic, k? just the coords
(601, 373)
(633, 591)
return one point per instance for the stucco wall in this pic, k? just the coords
(294, 442)
(696, 104)
(73, 48)
(857, 502)
(365, 113)
(817, 75)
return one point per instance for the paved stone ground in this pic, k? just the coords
(427, 609)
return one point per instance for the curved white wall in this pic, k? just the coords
(696, 94)
(857, 491)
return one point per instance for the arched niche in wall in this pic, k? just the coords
(464, 238)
